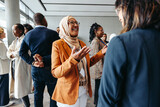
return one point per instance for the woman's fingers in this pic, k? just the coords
(81, 53)
(85, 50)
(73, 50)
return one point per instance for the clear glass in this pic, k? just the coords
(31, 23)
(31, 14)
(22, 6)
(23, 19)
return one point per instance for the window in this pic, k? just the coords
(2, 14)
(22, 6)
(26, 16)
(31, 14)
(31, 23)
(3, 21)
(23, 19)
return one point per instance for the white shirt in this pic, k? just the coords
(4, 61)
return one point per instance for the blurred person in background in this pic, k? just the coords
(4, 71)
(20, 75)
(111, 36)
(96, 33)
(104, 38)
(58, 30)
(27, 27)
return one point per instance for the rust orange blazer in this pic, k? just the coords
(64, 67)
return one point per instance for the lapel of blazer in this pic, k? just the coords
(66, 48)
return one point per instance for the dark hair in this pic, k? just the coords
(38, 18)
(28, 26)
(104, 34)
(139, 14)
(92, 34)
(20, 27)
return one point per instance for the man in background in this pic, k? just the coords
(39, 42)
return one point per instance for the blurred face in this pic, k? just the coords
(16, 32)
(25, 30)
(99, 33)
(57, 30)
(104, 37)
(73, 27)
(120, 15)
(2, 35)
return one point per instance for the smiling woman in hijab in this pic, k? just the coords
(70, 64)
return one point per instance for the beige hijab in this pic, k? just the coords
(64, 33)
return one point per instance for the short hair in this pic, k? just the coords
(38, 18)
(139, 14)
(92, 34)
(28, 26)
(20, 27)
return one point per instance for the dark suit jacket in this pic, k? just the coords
(38, 41)
(131, 74)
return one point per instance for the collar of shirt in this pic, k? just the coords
(39, 26)
(20, 37)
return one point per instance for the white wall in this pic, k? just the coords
(109, 24)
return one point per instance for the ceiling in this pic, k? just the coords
(72, 7)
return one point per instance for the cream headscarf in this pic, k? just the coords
(64, 33)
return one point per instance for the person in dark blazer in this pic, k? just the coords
(39, 42)
(131, 75)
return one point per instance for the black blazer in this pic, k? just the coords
(131, 73)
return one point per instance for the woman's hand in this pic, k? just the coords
(12, 56)
(104, 49)
(81, 53)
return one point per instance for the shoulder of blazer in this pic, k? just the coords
(59, 42)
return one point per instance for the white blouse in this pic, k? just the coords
(4, 61)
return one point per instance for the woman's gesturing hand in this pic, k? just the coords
(78, 55)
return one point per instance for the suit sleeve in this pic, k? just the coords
(113, 74)
(24, 53)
